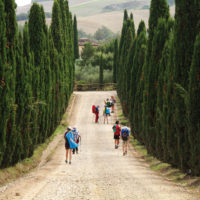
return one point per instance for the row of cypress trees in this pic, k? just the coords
(36, 77)
(158, 82)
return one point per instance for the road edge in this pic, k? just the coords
(42, 154)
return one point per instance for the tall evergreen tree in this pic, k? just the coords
(3, 83)
(158, 9)
(101, 70)
(185, 30)
(11, 29)
(194, 109)
(76, 47)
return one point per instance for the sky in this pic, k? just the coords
(22, 2)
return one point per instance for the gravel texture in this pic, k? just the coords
(98, 172)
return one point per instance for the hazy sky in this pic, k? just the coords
(22, 2)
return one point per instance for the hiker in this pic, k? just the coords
(106, 113)
(77, 138)
(107, 103)
(95, 110)
(116, 129)
(69, 144)
(97, 114)
(125, 138)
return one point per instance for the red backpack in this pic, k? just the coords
(93, 109)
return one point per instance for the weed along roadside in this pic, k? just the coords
(187, 181)
(42, 153)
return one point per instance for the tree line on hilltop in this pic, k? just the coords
(36, 77)
(158, 81)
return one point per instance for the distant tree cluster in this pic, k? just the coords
(24, 16)
(158, 82)
(95, 64)
(102, 34)
(36, 77)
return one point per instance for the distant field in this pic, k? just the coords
(91, 14)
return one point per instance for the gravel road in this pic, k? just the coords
(98, 172)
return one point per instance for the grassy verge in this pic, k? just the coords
(162, 168)
(25, 166)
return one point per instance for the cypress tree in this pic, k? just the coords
(11, 29)
(160, 123)
(3, 83)
(185, 30)
(137, 64)
(158, 9)
(161, 35)
(138, 86)
(56, 32)
(101, 70)
(76, 47)
(35, 27)
(193, 109)
(37, 42)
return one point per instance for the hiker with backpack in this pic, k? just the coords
(95, 110)
(125, 138)
(69, 144)
(77, 138)
(116, 129)
(106, 113)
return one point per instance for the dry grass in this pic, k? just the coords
(90, 16)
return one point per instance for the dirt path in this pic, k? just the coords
(98, 172)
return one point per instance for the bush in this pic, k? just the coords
(90, 74)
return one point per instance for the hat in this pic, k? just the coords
(69, 128)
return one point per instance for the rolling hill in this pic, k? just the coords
(92, 14)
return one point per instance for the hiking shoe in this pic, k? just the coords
(115, 146)
(66, 161)
(124, 154)
(70, 162)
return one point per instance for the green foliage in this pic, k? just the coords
(90, 74)
(103, 33)
(87, 53)
(193, 110)
(76, 47)
(36, 78)
(163, 98)
(101, 68)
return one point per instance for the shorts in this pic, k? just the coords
(125, 142)
(106, 114)
(116, 137)
(67, 146)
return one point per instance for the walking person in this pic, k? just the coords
(77, 138)
(69, 144)
(97, 114)
(125, 138)
(106, 113)
(116, 129)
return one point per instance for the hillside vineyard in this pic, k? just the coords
(36, 77)
(158, 82)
